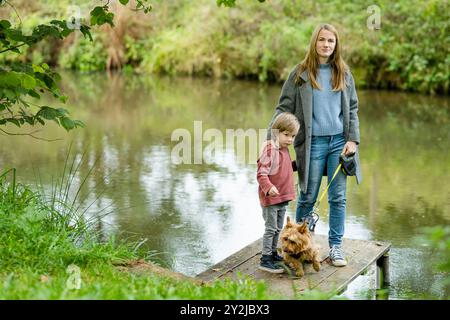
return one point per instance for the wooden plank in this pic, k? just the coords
(312, 279)
(356, 266)
(229, 264)
(351, 248)
(245, 260)
(359, 253)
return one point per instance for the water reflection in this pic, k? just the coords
(196, 215)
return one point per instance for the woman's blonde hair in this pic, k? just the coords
(285, 121)
(311, 62)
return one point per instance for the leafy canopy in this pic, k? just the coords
(20, 82)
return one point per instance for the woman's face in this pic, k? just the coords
(326, 42)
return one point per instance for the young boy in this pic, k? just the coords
(276, 186)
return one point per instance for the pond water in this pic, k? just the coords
(194, 215)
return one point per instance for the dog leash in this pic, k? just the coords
(313, 216)
(326, 189)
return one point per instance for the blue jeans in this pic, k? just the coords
(325, 151)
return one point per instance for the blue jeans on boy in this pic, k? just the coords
(325, 151)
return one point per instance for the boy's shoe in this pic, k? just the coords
(268, 265)
(276, 257)
(337, 256)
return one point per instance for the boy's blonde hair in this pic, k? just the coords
(285, 121)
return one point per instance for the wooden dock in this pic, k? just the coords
(360, 254)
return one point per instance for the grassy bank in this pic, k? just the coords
(255, 40)
(44, 246)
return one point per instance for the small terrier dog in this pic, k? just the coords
(297, 246)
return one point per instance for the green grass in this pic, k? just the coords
(40, 237)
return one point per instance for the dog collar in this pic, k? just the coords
(295, 256)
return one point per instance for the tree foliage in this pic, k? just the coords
(21, 82)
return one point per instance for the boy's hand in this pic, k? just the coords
(273, 192)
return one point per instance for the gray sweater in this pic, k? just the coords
(327, 115)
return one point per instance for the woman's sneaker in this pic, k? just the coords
(337, 256)
(268, 265)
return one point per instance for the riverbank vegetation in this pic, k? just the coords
(50, 251)
(255, 40)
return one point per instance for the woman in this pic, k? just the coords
(320, 91)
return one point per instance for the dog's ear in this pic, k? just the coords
(288, 222)
(303, 227)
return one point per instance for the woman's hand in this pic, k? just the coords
(349, 148)
(273, 192)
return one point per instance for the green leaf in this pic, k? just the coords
(124, 2)
(5, 24)
(109, 18)
(16, 35)
(227, 3)
(40, 120)
(34, 94)
(10, 94)
(93, 20)
(48, 81)
(101, 20)
(28, 82)
(9, 79)
(85, 31)
(67, 123)
(79, 123)
(97, 11)
(47, 113)
(29, 120)
(37, 68)
(96, 14)
(15, 121)
(63, 99)
(66, 32)
(61, 112)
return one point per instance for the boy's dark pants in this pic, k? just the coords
(274, 217)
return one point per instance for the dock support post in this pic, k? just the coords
(383, 271)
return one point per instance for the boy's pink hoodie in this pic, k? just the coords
(275, 168)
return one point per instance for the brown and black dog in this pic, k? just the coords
(297, 246)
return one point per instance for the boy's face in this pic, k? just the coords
(286, 138)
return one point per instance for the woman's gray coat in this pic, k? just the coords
(298, 100)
